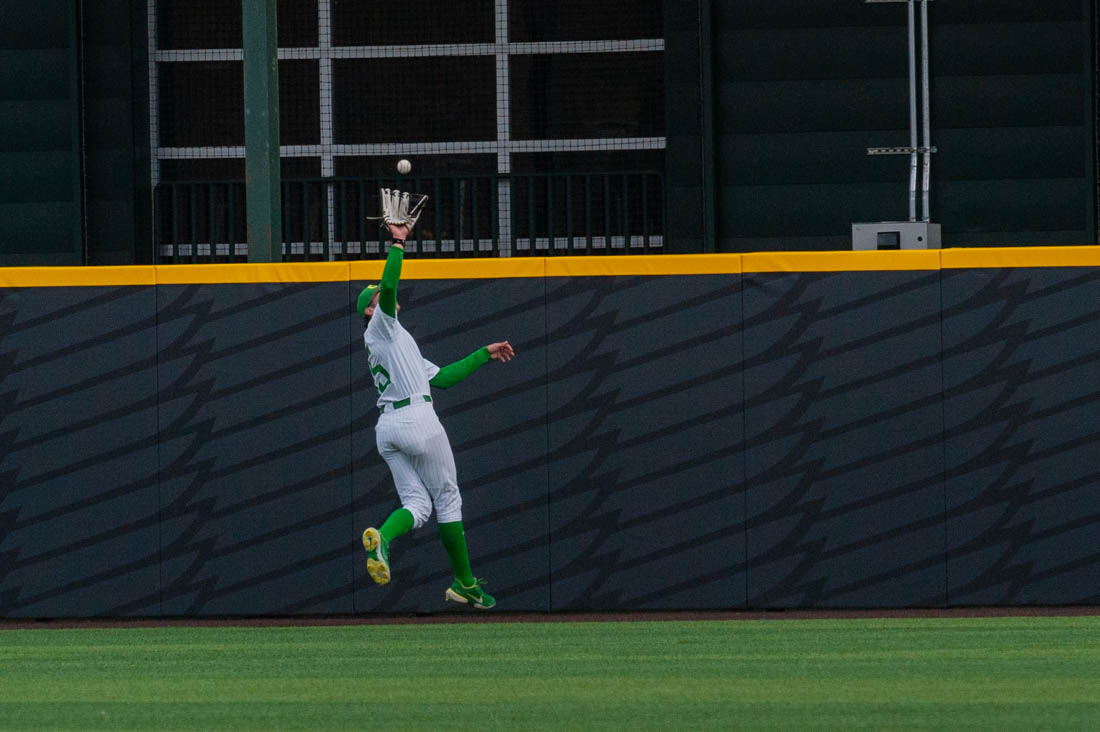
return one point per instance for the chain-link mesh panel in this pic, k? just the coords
(492, 101)
(583, 20)
(372, 23)
(591, 96)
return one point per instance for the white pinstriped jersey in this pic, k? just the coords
(398, 368)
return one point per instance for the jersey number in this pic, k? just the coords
(381, 376)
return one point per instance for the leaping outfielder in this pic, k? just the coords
(410, 438)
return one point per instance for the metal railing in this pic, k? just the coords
(481, 215)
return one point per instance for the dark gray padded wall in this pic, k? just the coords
(209, 449)
(645, 432)
(844, 452)
(79, 531)
(1022, 407)
(496, 421)
(255, 448)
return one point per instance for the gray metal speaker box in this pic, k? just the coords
(896, 235)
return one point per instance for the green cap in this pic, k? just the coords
(365, 297)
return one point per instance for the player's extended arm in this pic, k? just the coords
(453, 373)
(387, 291)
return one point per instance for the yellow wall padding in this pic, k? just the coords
(566, 266)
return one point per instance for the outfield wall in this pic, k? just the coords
(845, 429)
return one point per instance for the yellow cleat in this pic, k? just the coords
(378, 559)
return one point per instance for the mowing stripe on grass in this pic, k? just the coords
(1009, 673)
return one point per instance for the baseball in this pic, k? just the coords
(404, 166)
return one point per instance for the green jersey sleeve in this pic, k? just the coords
(391, 274)
(453, 373)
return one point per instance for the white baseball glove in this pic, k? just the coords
(401, 208)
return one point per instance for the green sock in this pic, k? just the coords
(454, 541)
(397, 524)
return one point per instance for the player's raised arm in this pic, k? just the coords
(391, 275)
(400, 212)
(453, 373)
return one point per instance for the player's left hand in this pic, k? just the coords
(502, 351)
(399, 231)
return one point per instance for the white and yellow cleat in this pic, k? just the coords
(378, 555)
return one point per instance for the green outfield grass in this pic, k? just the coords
(1000, 673)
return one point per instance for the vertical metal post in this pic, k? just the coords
(324, 70)
(437, 220)
(343, 219)
(175, 191)
(261, 127)
(917, 150)
(912, 111)
(569, 182)
(550, 213)
(608, 239)
(531, 232)
(213, 221)
(79, 228)
(504, 133)
(456, 216)
(473, 215)
(707, 131)
(624, 212)
(231, 222)
(361, 219)
(460, 229)
(193, 203)
(1092, 117)
(307, 227)
(588, 245)
(154, 121)
(926, 143)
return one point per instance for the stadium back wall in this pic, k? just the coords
(732, 431)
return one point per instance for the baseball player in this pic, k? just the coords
(409, 436)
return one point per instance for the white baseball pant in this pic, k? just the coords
(413, 443)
